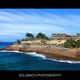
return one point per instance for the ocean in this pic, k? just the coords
(15, 60)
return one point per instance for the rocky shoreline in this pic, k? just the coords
(48, 52)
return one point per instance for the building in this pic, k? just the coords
(59, 36)
(56, 39)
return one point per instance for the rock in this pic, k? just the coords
(2, 49)
(78, 54)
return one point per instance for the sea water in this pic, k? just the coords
(15, 60)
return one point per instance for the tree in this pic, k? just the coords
(18, 41)
(78, 34)
(41, 36)
(29, 35)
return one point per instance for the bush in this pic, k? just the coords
(78, 43)
(70, 43)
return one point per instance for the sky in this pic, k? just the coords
(15, 23)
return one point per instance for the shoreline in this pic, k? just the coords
(52, 53)
(44, 57)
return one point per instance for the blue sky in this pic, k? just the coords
(15, 23)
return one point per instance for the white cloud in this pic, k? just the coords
(35, 17)
(24, 28)
(17, 22)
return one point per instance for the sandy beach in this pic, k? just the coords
(48, 52)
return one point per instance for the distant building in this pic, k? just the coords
(59, 36)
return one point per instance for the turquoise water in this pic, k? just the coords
(25, 61)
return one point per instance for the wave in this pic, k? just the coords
(28, 53)
(11, 51)
(36, 54)
(67, 61)
(43, 56)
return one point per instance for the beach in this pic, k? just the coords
(53, 53)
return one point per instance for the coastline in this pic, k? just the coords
(52, 53)
(44, 57)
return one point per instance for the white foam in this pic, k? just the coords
(29, 53)
(36, 54)
(10, 51)
(3, 51)
(67, 61)
(43, 56)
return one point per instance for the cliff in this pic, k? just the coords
(57, 53)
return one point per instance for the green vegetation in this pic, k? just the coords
(18, 41)
(72, 43)
(29, 35)
(41, 36)
(78, 43)
(78, 34)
